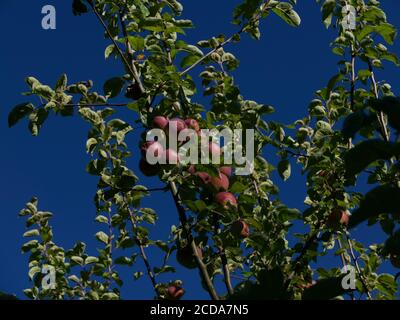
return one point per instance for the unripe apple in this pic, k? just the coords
(175, 293)
(395, 260)
(192, 124)
(171, 156)
(153, 148)
(160, 122)
(185, 257)
(338, 217)
(226, 171)
(149, 170)
(240, 229)
(220, 183)
(176, 125)
(226, 200)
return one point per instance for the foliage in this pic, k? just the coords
(351, 130)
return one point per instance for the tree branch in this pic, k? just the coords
(188, 235)
(355, 261)
(129, 66)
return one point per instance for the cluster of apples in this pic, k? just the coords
(169, 156)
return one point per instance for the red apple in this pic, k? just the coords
(214, 149)
(152, 147)
(240, 228)
(226, 200)
(160, 122)
(338, 217)
(192, 124)
(220, 183)
(148, 169)
(226, 171)
(171, 156)
(192, 169)
(204, 176)
(176, 125)
(175, 293)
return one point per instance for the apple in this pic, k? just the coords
(192, 124)
(185, 257)
(395, 260)
(338, 217)
(175, 292)
(176, 125)
(226, 200)
(322, 173)
(226, 171)
(160, 122)
(149, 170)
(240, 228)
(204, 176)
(214, 149)
(186, 132)
(192, 169)
(152, 147)
(220, 183)
(170, 156)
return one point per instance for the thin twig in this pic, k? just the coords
(189, 237)
(255, 19)
(355, 261)
(381, 116)
(142, 252)
(222, 255)
(130, 67)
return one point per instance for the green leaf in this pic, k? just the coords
(284, 169)
(109, 296)
(91, 144)
(355, 122)
(18, 112)
(109, 50)
(6, 296)
(31, 233)
(62, 82)
(90, 260)
(325, 289)
(189, 60)
(367, 152)
(327, 9)
(33, 271)
(383, 199)
(101, 236)
(136, 42)
(286, 12)
(77, 260)
(113, 87)
(390, 106)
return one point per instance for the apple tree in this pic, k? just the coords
(230, 227)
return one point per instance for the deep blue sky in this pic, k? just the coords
(283, 69)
